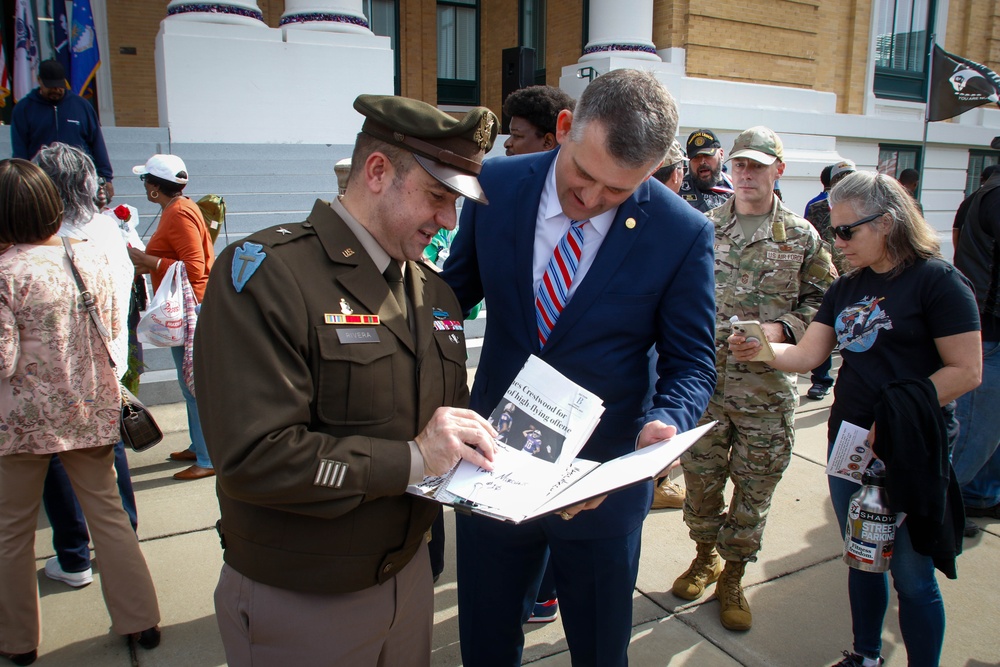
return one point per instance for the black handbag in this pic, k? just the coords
(136, 424)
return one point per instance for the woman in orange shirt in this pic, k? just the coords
(181, 236)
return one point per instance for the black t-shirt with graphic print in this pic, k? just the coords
(885, 330)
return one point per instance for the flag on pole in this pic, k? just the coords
(60, 34)
(84, 55)
(959, 85)
(5, 84)
(25, 49)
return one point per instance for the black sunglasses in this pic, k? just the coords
(846, 232)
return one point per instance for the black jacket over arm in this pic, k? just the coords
(911, 438)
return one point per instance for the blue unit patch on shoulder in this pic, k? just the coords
(247, 258)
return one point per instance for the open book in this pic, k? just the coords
(544, 420)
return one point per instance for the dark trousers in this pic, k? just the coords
(70, 537)
(500, 569)
(821, 374)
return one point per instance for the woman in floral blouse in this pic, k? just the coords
(58, 395)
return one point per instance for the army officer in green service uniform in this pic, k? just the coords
(330, 370)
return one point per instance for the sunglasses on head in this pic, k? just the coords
(846, 232)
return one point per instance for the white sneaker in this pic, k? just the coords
(74, 579)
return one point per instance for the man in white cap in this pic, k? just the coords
(771, 266)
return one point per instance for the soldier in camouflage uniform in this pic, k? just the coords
(778, 277)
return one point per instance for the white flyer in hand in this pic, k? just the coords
(851, 453)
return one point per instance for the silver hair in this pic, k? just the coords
(908, 235)
(75, 178)
(637, 112)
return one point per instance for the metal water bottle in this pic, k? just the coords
(871, 526)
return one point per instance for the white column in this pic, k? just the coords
(325, 16)
(621, 28)
(237, 12)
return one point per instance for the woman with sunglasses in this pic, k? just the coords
(181, 236)
(901, 312)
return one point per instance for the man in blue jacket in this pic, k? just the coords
(642, 275)
(52, 113)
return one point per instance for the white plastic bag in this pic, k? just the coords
(163, 322)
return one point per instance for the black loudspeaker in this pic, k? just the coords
(518, 72)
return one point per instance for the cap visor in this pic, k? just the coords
(703, 151)
(139, 170)
(757, 156)
(54, 83)
(461, 182)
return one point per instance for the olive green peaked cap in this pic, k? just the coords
(450, 149)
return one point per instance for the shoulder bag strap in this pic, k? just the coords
(88, 298)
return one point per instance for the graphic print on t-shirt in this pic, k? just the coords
(857, 326)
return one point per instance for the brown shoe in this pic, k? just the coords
(195, 472)
(667, 496)
(186, 455)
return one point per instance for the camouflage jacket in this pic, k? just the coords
(781, 275)
(819, 215)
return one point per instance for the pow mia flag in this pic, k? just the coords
(959, 85)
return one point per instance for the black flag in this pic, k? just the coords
(959, 85)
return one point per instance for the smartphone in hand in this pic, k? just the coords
(751, 330)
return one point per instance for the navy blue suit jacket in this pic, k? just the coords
(651, 283)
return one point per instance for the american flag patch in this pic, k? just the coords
(331, 318)
(447, 325)
(330, 473)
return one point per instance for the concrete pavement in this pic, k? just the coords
(797, 589)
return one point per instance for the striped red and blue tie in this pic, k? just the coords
(553, 291)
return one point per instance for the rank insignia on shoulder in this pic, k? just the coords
(339, 318)
(448, 325)
(330, 474)
(247, 258)
(282, 231)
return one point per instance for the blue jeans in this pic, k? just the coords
(976, 457)
(194, 422)
(921, 609)
(70, 537)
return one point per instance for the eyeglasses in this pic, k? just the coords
(846, 232)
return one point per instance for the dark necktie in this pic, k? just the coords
(394, 276)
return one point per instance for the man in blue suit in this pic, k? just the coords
(643, 277)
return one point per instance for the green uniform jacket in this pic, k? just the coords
(781, 275)
(307, 421)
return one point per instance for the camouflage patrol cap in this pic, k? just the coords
(674, 155)
(450, 149)
(760, 144)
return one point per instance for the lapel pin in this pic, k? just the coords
(630, 223)
(345, 307)
(348, 252)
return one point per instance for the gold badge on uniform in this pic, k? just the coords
(484, 131)
(347, 252)
(630, 223)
